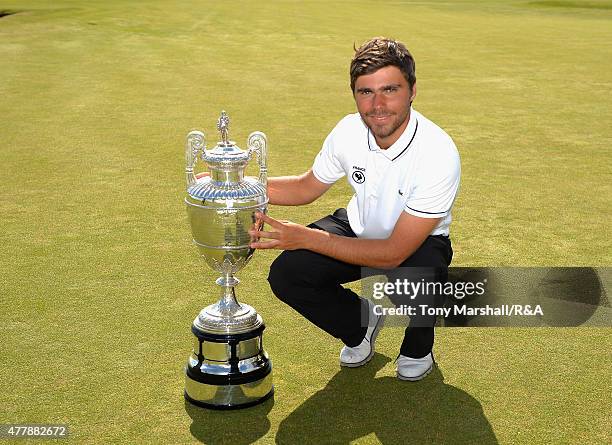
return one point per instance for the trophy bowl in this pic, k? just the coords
(228, 367)
(221, 232)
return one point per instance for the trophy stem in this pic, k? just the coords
(228, 304)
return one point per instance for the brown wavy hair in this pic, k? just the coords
(378, 53)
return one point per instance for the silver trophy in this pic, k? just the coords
(228, 367)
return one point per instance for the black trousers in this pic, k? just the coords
(311, 284)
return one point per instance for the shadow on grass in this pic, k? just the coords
(355, 404)
(5, 13)
(236, 427)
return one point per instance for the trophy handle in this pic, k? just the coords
(196, 142)
(258, 143)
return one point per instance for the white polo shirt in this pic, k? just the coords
(418, 174)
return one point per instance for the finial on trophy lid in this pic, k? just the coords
(223, 127)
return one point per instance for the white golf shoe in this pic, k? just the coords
(414, 369)
(362, 353)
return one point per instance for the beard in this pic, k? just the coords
(386, 129)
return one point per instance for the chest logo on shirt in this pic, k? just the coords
(358, 175)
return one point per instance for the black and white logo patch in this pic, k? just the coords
(358, 176)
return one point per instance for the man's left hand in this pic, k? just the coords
(284, 236)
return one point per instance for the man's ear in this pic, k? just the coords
(414, 92)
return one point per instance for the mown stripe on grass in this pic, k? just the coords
(569, 4)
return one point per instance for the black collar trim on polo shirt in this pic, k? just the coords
(406, 148)
(416, 127)
(368, 139)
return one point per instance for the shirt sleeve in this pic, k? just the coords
(327, 167)
(434, 192)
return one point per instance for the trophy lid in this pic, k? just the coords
(226, 151)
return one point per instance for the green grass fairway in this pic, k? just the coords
(99, 282)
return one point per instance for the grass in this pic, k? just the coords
(578, 5)
(99, 282)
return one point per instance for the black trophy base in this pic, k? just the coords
(228, 371)
(229, 407)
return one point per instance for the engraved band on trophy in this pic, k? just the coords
(228, 367)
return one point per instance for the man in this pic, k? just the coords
(405, 173)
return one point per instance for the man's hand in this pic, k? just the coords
(408, 235)
(285, 234)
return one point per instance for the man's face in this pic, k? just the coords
(383, 100)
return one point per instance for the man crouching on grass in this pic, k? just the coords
(405, 172)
